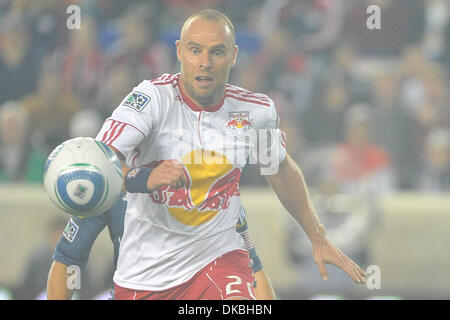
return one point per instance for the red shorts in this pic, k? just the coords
(226, 277)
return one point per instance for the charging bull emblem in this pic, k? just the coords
(238, 122)
(210, 186)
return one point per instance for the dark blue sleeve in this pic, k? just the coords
(115, 221)
(75, 244)
(242, 228)
(257, 264)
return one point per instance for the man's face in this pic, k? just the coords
(207, 53)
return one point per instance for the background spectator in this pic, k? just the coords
(435, 173)
(359, 164)
(38, 264)
(51, 106)
(19, 61)
(22, 157)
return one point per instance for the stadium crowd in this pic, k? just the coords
(364, 111)
(361, 104)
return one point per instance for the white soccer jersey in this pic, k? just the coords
(171, 234)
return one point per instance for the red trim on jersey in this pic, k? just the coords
(163, 83)
(111, 131)
(161, 78)
(248, 100)
(123, 125)
(165, 79)
(119, 122)
(246, 93)
(283, 139)
(248, 96)
(191, 104)
(106, 132)
(243, 90)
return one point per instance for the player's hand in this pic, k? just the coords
(168, 172)
(325, 252)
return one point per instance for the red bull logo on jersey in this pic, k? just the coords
(239, 122)
(210, 186)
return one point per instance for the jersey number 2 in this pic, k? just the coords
(228, 289)
(238, 281)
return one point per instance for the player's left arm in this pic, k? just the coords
(72, 249)
(263, 289)
(57, 282)
(289, 185)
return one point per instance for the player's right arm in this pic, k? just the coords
(57, 288)
(168, 172)
(130, 123)
(72, 249)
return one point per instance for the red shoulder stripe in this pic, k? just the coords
(110, 132)
(164, 83)
(156, 79)
(168, 79)
(246, 93)
(122, 126)
(249, 95)
(115, 124)
(242, 90)
(248, 100)
(163, 78)
(106, 132)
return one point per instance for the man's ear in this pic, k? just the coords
(178, 45)
(235, 52)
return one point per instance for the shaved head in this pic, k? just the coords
(207, 52)
(211, 15)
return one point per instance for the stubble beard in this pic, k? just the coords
(206, 100)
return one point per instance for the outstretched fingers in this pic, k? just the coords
(322, 270)
(336, 257)
(352, 269)
(359, 274)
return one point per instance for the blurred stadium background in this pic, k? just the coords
(366, 113)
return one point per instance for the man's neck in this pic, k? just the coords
(198, 104)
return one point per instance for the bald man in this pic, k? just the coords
(184, 139)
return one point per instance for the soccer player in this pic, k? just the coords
(74, 247)
(183, 141)
(75, 244)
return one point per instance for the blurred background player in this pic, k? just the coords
(75, 244)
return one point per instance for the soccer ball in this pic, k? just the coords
(83, 177)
